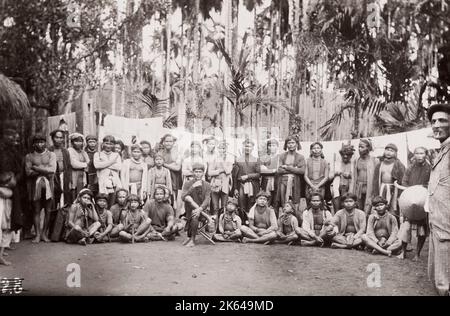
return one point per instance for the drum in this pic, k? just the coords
(412, 202)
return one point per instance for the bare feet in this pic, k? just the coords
(4, 262)
(36, 239)
(191, 243)
(45, 238)
(186, 241)
(82, 242)
(308, 243)
(28, 235)
(389, 253)
(401, 256)
(338, 246)
(244, 240)
(416, 258)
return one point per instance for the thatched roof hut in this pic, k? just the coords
(13, 100)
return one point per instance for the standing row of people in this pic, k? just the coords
(253, 199)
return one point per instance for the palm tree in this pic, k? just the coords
(239, 92)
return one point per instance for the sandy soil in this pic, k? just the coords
(168, 268)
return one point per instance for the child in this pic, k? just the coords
(317, 223)
(40, 168)
(7, 183)
(159, 175)
(105, 219)
(382, 229)
(161, 214)
(136, 225)
(196, 195)
(134, 173)
(263, 224)
(350, 223)
(82, 222)
(229, 223)
(118, 211)
(288, 231)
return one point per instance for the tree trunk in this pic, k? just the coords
(181, 117)
(270, 55)
(235, 18)
(195, 73)
(356, 122)
(167, 66)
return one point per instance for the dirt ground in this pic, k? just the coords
(168, 268)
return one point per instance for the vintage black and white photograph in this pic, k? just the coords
(218, 148)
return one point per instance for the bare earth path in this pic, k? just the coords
(167, 268)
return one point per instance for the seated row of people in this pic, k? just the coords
(126, 221)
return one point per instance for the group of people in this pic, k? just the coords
(147, 194)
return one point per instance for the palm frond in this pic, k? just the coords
(153, 103)
(399, 117)
(330, 126)
(170, 121)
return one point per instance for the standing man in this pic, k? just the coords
(63, 173)
(91, 149)
(246, 173)
(438, 202)
(341, 174)
(361, 183)
(40, 167)
(388, 171)
(291, 169)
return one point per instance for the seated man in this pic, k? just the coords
(263, 224)
(196, 195)
(229, 223)
(104, 217)
(82, 222)
(382, 229)
(350, 223)
(161, 213)
(288, 230)
(136, 225)
(317, 223)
